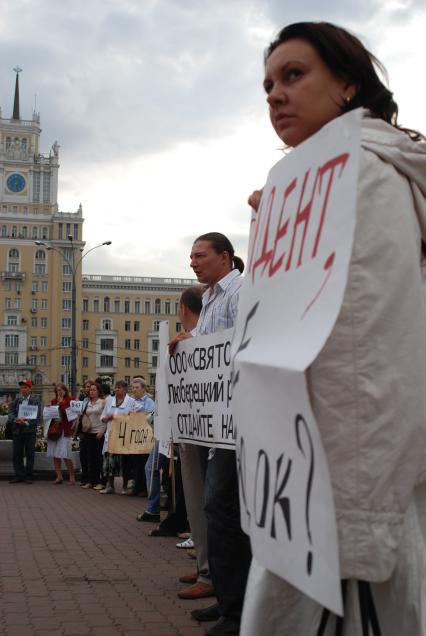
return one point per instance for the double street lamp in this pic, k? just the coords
(74, 265)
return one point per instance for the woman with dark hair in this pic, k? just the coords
(61, 449)
(94, 435)
(367, 385)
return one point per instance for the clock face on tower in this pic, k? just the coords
(15, 182)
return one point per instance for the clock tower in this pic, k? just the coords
(39, 246)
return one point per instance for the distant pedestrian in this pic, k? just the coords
(24, 430)
(61, 449)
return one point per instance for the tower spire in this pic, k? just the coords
(16, 114)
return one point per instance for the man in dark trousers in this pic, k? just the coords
(24, 416)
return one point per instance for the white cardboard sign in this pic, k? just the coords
(162, 420)
(28, 411)
(299, 253)
(199, 391)
(50, 412)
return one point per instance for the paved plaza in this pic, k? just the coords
(73, 561)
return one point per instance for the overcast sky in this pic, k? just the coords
(159, 111)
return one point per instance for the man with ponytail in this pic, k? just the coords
(215, 265)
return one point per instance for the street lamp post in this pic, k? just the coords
(74, 267)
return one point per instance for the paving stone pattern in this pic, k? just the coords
(73, 561)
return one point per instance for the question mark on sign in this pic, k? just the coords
(299, 421)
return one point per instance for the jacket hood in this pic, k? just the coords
(407, 156)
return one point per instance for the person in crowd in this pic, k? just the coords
(94, 437)
(83, 397)
(190, 306)
(229, 555)
(120, 404)
(143, 404)
(367, 385)
(24, 430)
(156, 463)
(61, 449)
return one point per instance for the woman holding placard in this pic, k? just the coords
(366, 386)
(61, 448)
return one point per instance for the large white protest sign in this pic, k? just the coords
(162, 419)
(300, 248)
(199, 391)
(28, 411)
(71, 414)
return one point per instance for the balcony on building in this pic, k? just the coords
(13, 275)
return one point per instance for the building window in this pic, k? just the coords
(107, 361)
(155, 345)
(127, 379)
(4, 231)
(152, 379)
(12, 342)
(67, 286)
(167, 307)
(85, 304)
(85, 343)
(60, 230)
(32, 360)
(34, 232)
(85, 362)
(67, 270)
(38, 379)
(25, 232)
(136, 325)
(43, 342)
(147, 306)
(117, 305)
(46, 187)
(154, 362)
(12, 320)
(65, 341)
(66, 304)
(136, 345)
(106, 324)
(34, 304)
(36, 187)
(136, 363)
(127, 363)
(75, 231)
(66, 361)
(96, 305)
(44, 287)
(68, 229)
(157, 306)
(40, 269)
(11, 358)
(33, 342)
(127, 306)
(14, 231)
(34, 322)
(106, 305)
(127, 325)
(85, 325)
(107, 344)
(42, 360)
(66, 323)
(178, 327)
(45, 233)
(156, 325)
(137, 306)
(34, 287)
(44, 303)
(127, 344)
(43, 323)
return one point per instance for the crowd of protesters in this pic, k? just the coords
(367, 386)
